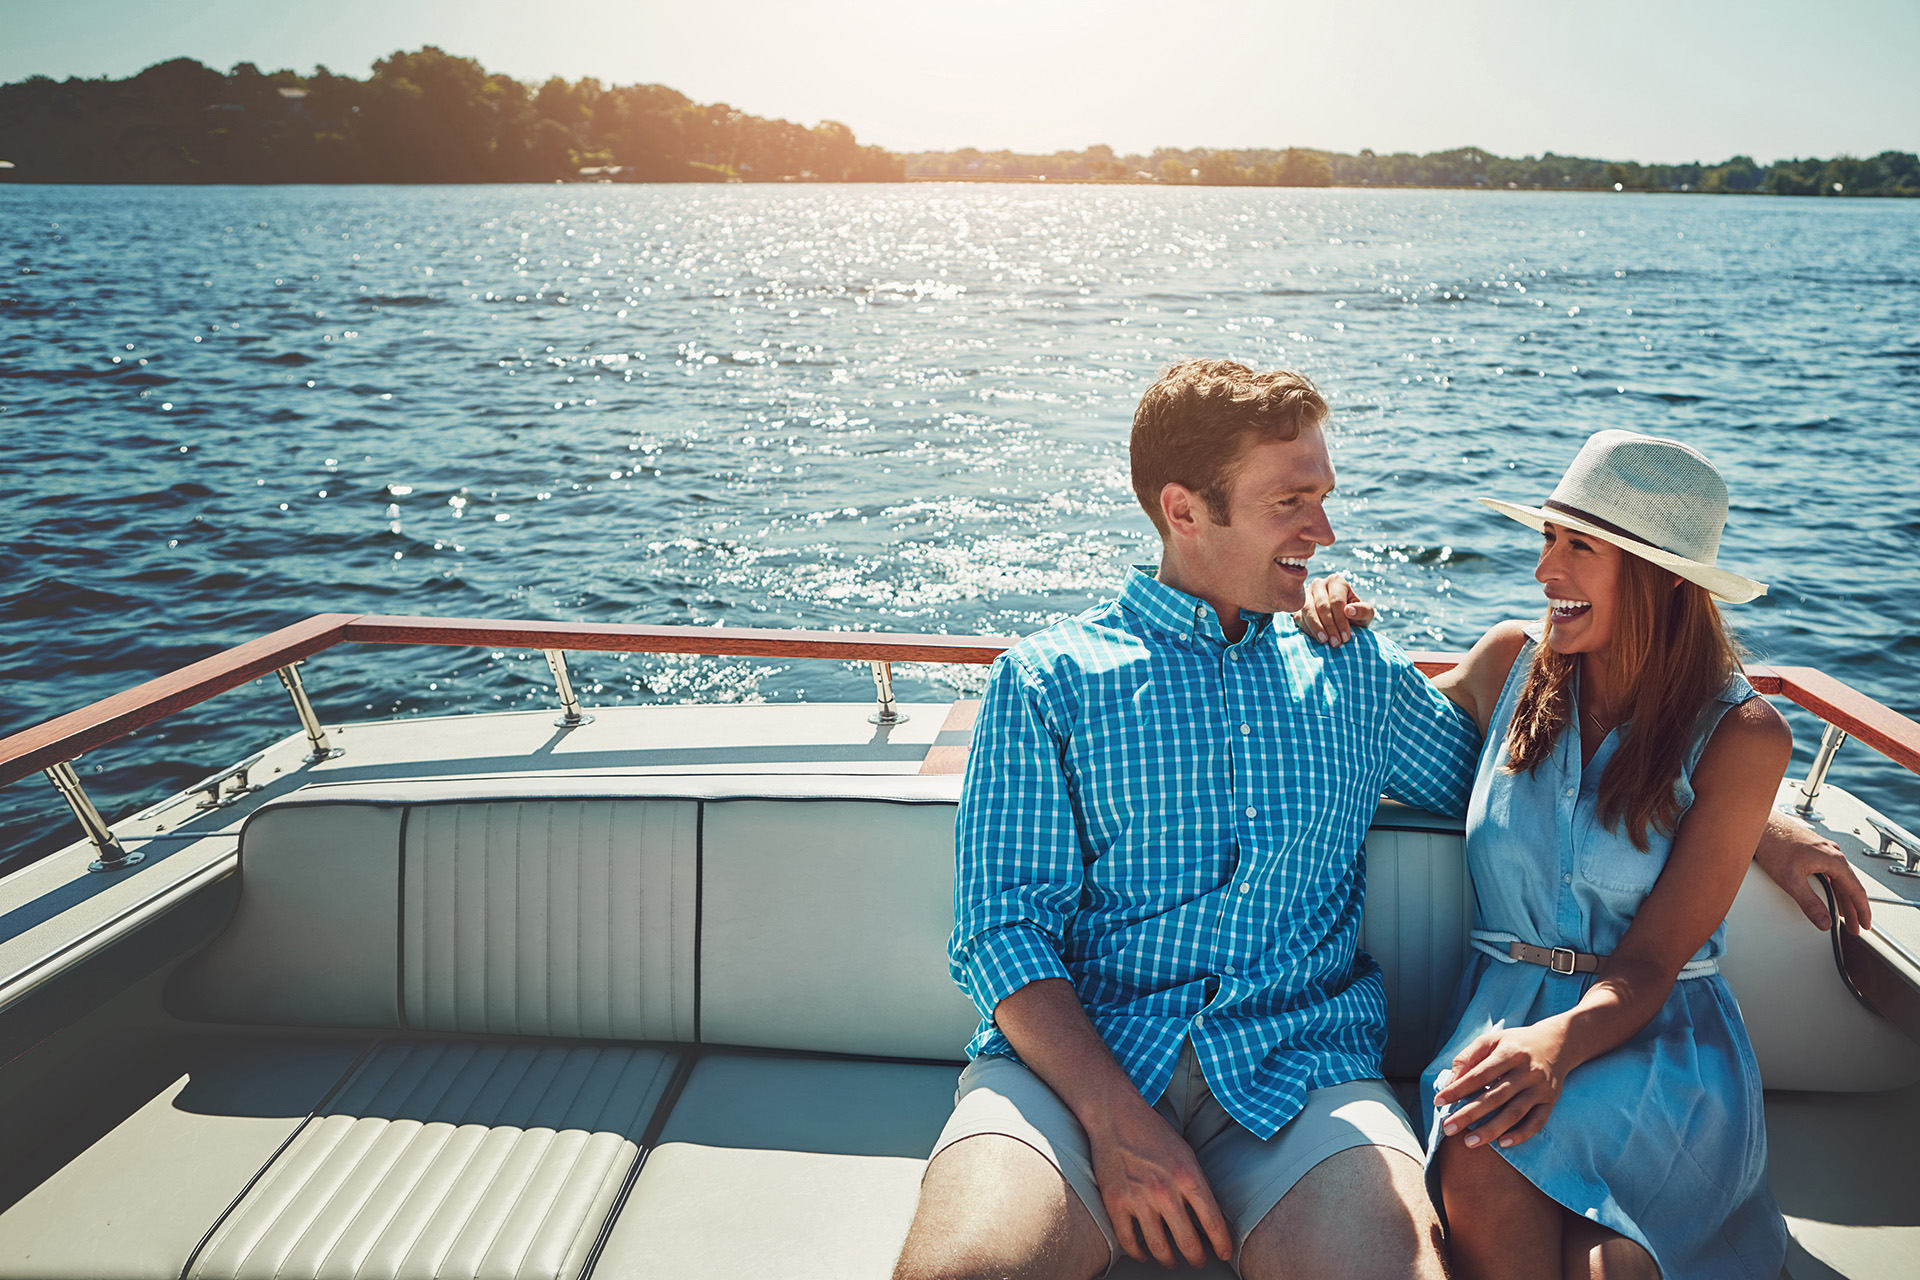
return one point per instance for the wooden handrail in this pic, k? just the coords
(67, 736)
(613, 637)
(1434, 664)
(1887, 731)
(1882, 728)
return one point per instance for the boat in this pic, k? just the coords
(662, 991)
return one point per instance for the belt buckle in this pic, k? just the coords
(1562, 954)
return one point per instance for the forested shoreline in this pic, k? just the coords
(431, 117)
(1891, 173)
(425, 116)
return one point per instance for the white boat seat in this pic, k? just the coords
(799, 923)
(1844, 1167)
(764, 1165)
(402, 1160)
(136, 1203)
(445, 1158)
(790, 949)
(572, 919)
(807, 1169)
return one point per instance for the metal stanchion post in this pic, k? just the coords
(113, 855)
(889, 713)
(571, 717)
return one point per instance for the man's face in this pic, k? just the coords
(1277, 519)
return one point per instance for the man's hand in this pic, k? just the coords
(1150, 1181)
(1792, 854)
(1333, 609)
(1156, 1197)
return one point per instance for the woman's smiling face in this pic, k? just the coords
(1581, 575)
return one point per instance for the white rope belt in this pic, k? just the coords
(1563, 960)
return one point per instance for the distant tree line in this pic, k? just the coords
(1891, 173)
(428, 116)
(420, 117)
(1292, 167)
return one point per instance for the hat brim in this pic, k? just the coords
(1720, 583)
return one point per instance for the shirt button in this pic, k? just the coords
(1246, 887)
(1229, 971)
(1566, 878)
(1570, 793)
(1234, 654)
(1253, 811)
(1199, 1021)
(1246, 728)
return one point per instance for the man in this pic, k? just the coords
(1159, 890)
(1159, 882)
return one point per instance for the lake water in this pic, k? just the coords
(896, 408)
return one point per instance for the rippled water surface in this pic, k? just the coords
(892, 408)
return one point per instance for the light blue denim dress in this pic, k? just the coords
(1664, 1139)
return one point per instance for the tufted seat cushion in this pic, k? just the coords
(396, 1160)
(444, 1158)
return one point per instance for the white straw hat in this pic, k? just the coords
(1653, 498)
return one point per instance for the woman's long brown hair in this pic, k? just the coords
(1671, 656)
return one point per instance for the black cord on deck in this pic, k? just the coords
(1839, 957)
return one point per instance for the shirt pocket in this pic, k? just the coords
(1321, 768)
(1607, 859)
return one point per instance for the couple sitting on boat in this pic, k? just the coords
(1159, 888)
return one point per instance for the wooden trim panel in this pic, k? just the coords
(1434, 664)
(1890, 986)
(949, 751)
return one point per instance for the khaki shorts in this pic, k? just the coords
(1248, 1176)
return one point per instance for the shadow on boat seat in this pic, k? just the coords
(666, 1031)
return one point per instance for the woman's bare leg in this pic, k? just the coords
(1594, 1252)
(1499, 1225)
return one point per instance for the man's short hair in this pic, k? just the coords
(1194, 424)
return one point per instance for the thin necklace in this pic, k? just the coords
(1604, 729)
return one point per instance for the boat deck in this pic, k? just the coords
(703, 1115)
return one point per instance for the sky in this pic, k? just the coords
(1648, 80)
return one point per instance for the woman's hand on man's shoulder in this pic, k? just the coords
(1333, 609)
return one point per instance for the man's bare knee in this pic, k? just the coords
(993, 1206)
(1361, 1213)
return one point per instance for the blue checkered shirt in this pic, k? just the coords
(1175, 824)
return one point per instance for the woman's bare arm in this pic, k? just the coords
(1475, 682)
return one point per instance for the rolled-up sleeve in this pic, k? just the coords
(1434, 745)
(1018, 870)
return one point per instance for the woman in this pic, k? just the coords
(1598, 1108)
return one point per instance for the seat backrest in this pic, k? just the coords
(573, 918)
(813, 922)
(1419, 908)
(824, 926)
(789, 923)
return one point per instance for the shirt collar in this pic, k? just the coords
(1173, 613)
